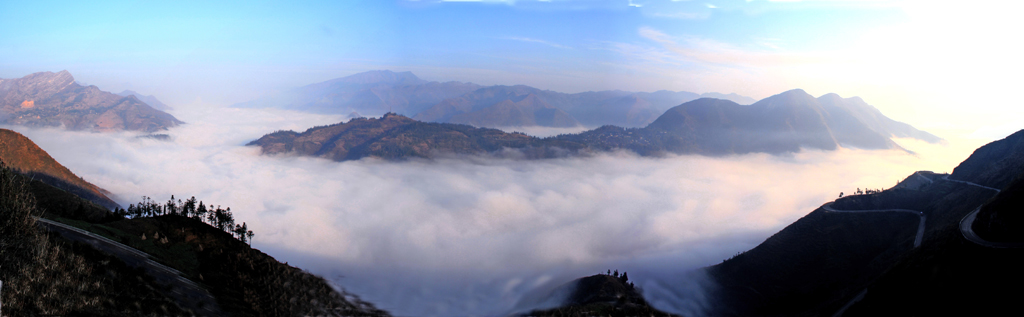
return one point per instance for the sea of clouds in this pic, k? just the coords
(481, 236)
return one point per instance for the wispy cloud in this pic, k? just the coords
(686, 15)
(508, 2)
(722, 54)
(532, 40)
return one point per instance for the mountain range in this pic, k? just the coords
(381, 91)
(784, 123)
(373, 92)
(50, 99)
(398, 137)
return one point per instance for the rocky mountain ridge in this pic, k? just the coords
(48, 99)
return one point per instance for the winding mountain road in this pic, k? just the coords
(184, 291)
(920, 226)
(967, 223)
(965, 229)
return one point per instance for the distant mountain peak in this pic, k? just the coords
(54, 99)
(794, 93)
(55, 81)
(830, 96)
(740, 99)
(790, 99)
(382, 77)
(149, 100)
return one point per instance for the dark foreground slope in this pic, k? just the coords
(825, 260)
(46, 273)
(43, 274)
(54, 100)
(951, 276)
(859, 255)
(24, 156)
(244, 281)
(601, 295)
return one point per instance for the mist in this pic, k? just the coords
(543, 132)
(475, 235)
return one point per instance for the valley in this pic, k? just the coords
(511, 158)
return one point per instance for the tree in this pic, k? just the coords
(211, 216)
(220, 218)
(171, 207)
(190, 207)
(201, 212)
(80, 211)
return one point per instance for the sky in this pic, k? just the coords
(948, 67)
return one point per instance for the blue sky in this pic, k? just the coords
(225, 52)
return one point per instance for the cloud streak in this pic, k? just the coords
(532, 40)
(472, 236)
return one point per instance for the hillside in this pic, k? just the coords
(49, 99)
(43, 274)
(243, 280)
(900, 251)
(24, 156)
(46, 273)
(953, 276)
(600, 295)
(820, 263)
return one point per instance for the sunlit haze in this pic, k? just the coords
(476, 235)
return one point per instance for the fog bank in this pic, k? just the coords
(471, 236)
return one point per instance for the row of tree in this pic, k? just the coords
(220, 218)
(866, 191)
(624, 278)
